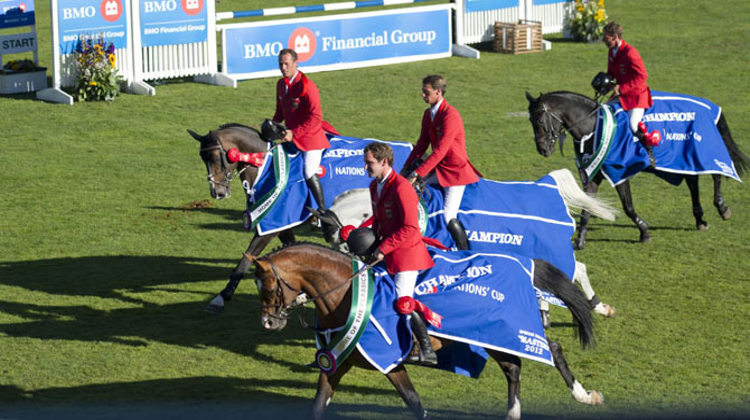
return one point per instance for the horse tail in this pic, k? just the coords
(549, 278)
(575, 197)
(740, 160)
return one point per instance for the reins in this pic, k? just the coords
(228, 173)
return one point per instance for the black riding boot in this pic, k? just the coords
(642, 140)
(426, 356)
(458, 234)
(313, 183)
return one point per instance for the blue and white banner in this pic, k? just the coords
(691, 143)
(15, 13)
(342, 168)
(92, 19)
(524, 217)
(173, 22)
(484, 5)
(486, 300)
(336, 42)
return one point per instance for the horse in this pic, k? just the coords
(554, 113)
(322, 274)
(352, 206)
(213, 153)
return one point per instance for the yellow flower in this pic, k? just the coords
(92, 83)
(601, 3)
(599, 15)
(580, 8)
(112, 60)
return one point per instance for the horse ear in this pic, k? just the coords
(261, 264)
(195, 135)
(529, 97)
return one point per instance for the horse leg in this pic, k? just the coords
(286, 237)
(326, 386)
(576, 389)
(724, 211)
(257, 244)
(400, 380)
(623, 191)
(583, 226)
(582, 277)
(511, 366)
(695, 197)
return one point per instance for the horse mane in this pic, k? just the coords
(576, 97)
(238, 125)
(321, 248)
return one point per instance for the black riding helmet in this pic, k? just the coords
(603, 83)
(272, 130)
(362, 242)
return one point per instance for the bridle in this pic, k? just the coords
(559, 134)
(281, 309)
(226, 169)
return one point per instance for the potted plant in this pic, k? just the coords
(96, 76)
(586, 20)
(22, 76)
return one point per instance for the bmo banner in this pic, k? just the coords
(250, 50)
(92, 19)
(172, 22)
(16, 13)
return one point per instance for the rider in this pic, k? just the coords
(298, 104)
(396, 221)
(625, 64)
(443, 129)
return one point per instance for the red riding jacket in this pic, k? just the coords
(449, 158)
(299, 107)
(396, 220)
(628, 68)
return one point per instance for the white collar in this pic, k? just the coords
(616, 49)
(381, 183)
(434, 108)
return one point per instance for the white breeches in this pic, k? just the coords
(405, 281)
(635, 116)
(312, 162)
(451, 200)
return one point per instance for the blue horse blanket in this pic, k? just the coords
(525, 217)
(487, 301)
(281, 180)
(691, 143)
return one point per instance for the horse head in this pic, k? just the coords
(277, 295)
(213, 152)
(546, 128)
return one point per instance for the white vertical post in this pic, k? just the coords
(54, 93)
(458, 47)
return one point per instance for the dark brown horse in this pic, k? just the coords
(322, 273)
(554, 113)
(213, 152)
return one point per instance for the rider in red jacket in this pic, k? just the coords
(298, 105)
(396, 220)
(443, 129)
(626, 65)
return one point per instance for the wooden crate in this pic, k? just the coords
(518, 38)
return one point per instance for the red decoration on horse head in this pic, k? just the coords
(255, 159)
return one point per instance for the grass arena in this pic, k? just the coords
(112, 247)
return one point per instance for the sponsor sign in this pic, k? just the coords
(173, 22)
(337, 42)
(482, 5)
(15, 13)
(92, 19)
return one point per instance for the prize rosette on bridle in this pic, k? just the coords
(336, 346)
(691, 143)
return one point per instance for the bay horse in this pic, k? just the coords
(554, 113)
(322, 273)
(213, 152)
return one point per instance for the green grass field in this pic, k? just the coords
(106, 262)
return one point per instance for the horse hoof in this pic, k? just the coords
(605, 310)
(596, 398)
(645, 238)
(726, 214)
(702, 227)
(216, 306)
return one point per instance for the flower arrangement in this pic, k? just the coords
(21, 66)
(96, 75)
(587, 20)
